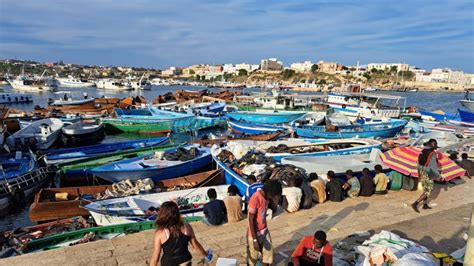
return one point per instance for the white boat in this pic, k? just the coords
(41, 134)
(65, 98)
(71, 82)
(357, 104)
(140, 84)
(339, 163)
(7, 97)
(134, 208)
(442, 137)
(467, 102)
(111, 84)
(82, 129)
(23, 83)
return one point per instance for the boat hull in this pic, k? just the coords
(253, 129)
(118, 126)
(266, 118)
(468, 104)
(466, 116)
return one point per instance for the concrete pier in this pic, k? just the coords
(440, 229)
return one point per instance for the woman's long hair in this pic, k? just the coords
(169, 218)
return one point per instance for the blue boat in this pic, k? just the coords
(16, 164)
(207, 109)
(266, 117)
(176, 120)
(466, 116)
(372, 130)
(72, 154)
(153, 166)
(440, 117)
(253, 129)
(232, 178)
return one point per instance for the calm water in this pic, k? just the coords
(446, 101)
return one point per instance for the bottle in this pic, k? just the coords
(209, 255)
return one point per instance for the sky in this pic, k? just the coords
(163, 33)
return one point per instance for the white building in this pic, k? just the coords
(301, 67)
(172, 71)
(384, 66)
(440, 75)
(229, 68)
(248, 67)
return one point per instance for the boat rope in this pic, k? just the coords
(204, 183)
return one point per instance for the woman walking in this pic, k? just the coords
(173, 236)
(428, 169)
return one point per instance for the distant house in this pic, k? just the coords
(388, 66)
(329, 67)
(271, 64)
(301, 67)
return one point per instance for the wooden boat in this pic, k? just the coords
(66, 99)
(118, 126)
(83, 129)
(41, 134)
(102, 232)
(46, 208)
(260, 137)
(466, 116)
(305, 147)
(266, 117)
(254, 128)
(78, 167)
(372, 130)
(71, 154)
(154, 166)
(105, 100)
(443, 138)
(135, 208)
(321, 165)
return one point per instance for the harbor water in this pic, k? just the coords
(430, 101)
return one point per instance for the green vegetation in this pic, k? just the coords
(243, 72)
(314, 68)
(288, 73)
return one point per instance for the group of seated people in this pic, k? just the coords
(297, 195)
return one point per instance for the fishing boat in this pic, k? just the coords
(372, 130)
(71, 154)
(111, 84)
(366, 105)
(24, 83)
(281, 102)
(79, 167)
(425, 126)
(118, 126)
(438, 116)
(59, 203)
(339, 163)
(260, 137)
(466, 115)
(177, 121)
(442, 138)
(208, 109)
(157, 166)
(83, 129)
(41, 134)
(20, 177)
(65, 98)
(305, 147)
(202, 122)
(253, 128)
(72, 82)
(103, 232)
(141, 84)
(265, 117)
(8, 97)
(137, 208)
(467, 101)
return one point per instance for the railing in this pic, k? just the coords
(23, 181)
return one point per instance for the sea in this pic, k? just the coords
(429, 101)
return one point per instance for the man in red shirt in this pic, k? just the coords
(313, 250)
(259, 240)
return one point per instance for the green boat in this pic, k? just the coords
(117, 126)
(55, 241)
(77, 167)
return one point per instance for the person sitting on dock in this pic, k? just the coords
(467, 164)
(233, 205)
(353, 183)
(367, 186)
(214, 211)
(319, 188)
(380, 180)
(292, 196)
(334, 187)
(173, 237)
(307, 197)
(313, 250)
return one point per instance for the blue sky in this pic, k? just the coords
(166, 33)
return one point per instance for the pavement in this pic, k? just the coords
(440, 229)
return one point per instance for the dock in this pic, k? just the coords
(440, 229)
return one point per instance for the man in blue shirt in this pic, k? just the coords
(254, 186)
(214, 210)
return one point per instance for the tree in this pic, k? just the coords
(314, 68)
(243, 72)
(374, 70)
(367, 75)
(302, 81)
(393, 69)
(288, 73)
(348, 72)
(322, 81)
(198, 77)
(406, 74)
(191, 72)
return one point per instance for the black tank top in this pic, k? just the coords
(175, 250)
